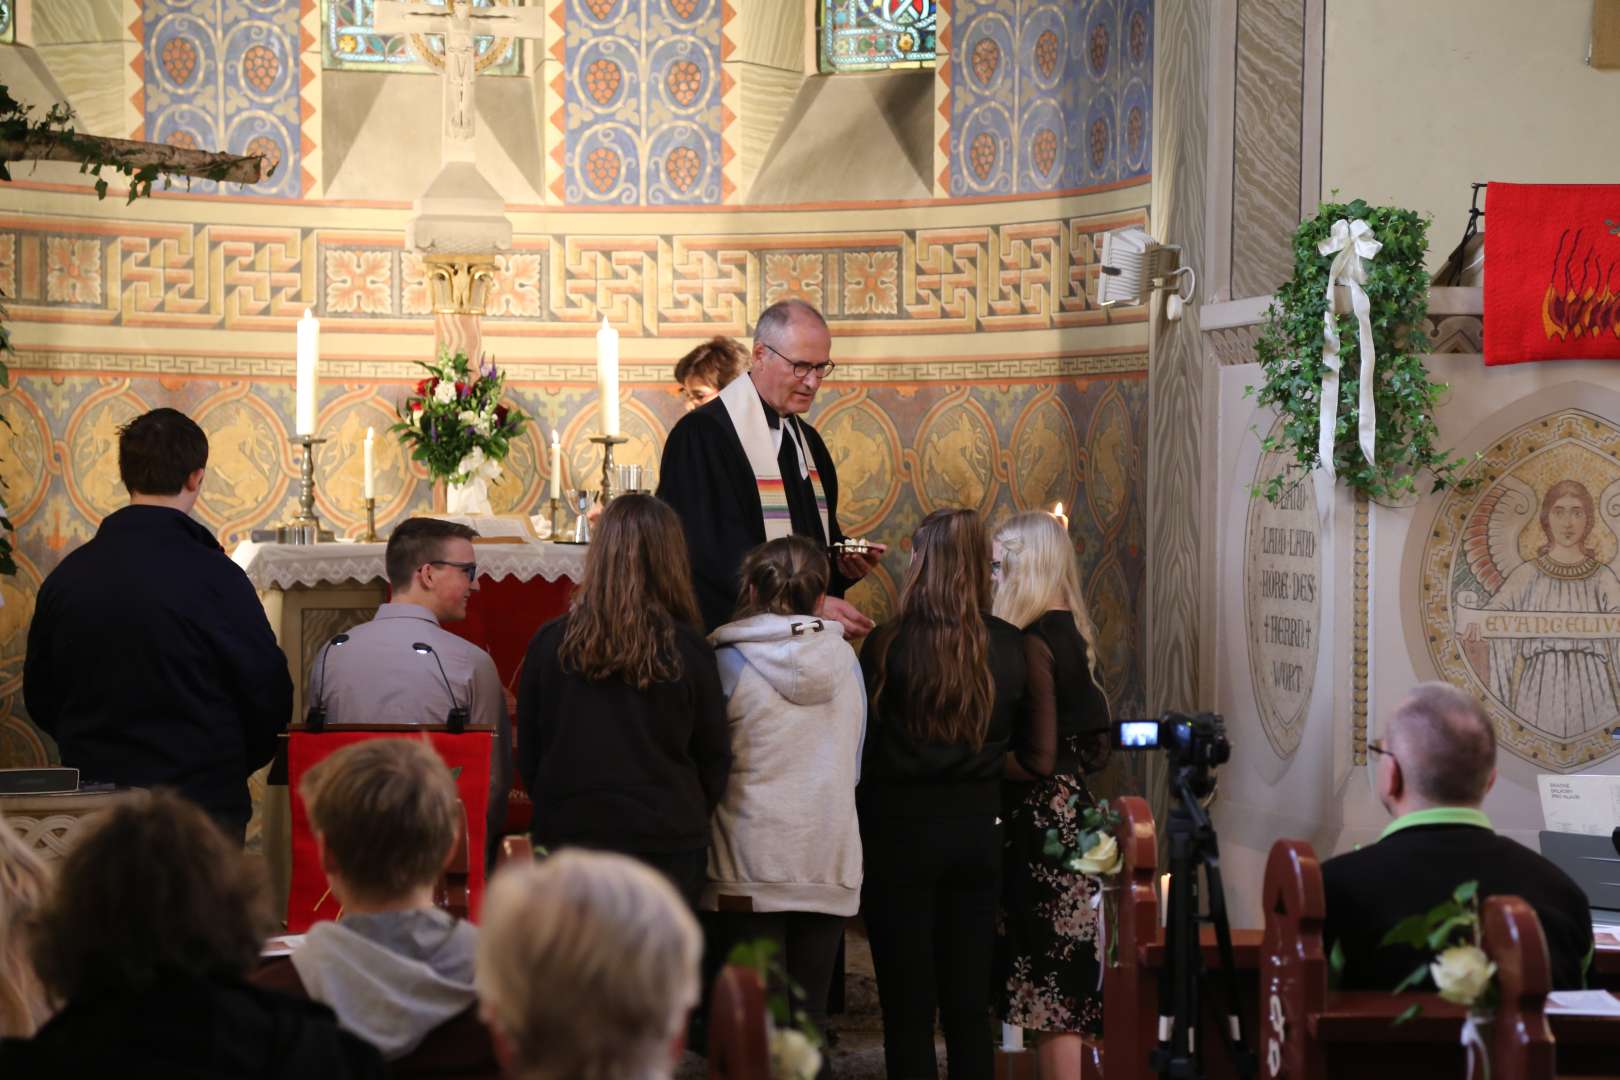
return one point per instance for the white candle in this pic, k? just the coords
(1057, 512)
(371, 464)
(607, 376)
(556, 465)
(309, 350)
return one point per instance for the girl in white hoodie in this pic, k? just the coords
(785, 847)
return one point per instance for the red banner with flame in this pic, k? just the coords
(1552, 272)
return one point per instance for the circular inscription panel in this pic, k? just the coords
(1282, 603)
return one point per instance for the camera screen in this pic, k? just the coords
(1139, 733)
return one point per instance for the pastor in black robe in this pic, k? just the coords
(706, 478)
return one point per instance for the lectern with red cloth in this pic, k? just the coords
(467, 755)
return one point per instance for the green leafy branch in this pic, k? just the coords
(1290, 353)
(23, 137)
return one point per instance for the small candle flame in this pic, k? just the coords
(1057, 510)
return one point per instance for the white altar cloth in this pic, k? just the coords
(282, 566)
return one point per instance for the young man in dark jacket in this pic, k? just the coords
(150, 660)
(1434, 768)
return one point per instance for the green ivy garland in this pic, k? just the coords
(1290, 352)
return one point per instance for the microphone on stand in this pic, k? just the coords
(315, 719)
(457, 718)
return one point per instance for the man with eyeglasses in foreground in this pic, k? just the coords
(377, 675)
(1434, 766)
(746, 468)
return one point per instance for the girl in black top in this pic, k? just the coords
(622, 739)
(947, 684)
(1046, 957)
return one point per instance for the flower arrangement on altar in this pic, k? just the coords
(455, 424)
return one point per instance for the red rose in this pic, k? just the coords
(501, 412)
(461, 389)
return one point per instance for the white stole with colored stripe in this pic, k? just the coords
(747, 411)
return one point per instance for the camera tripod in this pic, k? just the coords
(1193, 846)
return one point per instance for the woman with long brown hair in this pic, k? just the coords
(948, 685)
(622, 738)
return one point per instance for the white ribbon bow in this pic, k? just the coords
(1349, 243)
(1474, 1042)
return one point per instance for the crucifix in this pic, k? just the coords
(458, 22)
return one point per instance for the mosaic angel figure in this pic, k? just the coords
(1564, 685)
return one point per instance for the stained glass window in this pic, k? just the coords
(350, 42)
(870, 35)
(8, 21)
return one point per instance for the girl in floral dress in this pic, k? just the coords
(1046, 950)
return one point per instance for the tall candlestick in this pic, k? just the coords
(556, 465)
(307, 391)
(371, 464)
(607, 376)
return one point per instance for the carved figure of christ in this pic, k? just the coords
(458, 22)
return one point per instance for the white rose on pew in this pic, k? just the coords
(793, 1056)
(1101, 858)
(1462, 973)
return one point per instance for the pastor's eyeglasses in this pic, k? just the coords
(802, 370)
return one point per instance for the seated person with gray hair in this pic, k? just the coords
(397, 971)
(587, 967)
(1435, 765)
(378, 675)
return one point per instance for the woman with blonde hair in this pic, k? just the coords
(23, 884)
(622, 736)
(947, 687)
(587, 968)
(1046, 950)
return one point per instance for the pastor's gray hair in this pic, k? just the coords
(774, 320)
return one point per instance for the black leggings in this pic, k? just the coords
(929, 901)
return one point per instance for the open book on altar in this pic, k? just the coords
(497, 528)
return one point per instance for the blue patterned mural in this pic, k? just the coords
(643, 102)
(224, 74)
(1050, 95)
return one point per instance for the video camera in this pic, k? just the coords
(1194, 744)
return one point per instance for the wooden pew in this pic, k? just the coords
(739, 1048)
(1312, 1031)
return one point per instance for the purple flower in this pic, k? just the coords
(487, 370)
(433, 431)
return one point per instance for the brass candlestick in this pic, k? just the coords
(608, 442)
(555, 505)
(306, 527)
(371, 521)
